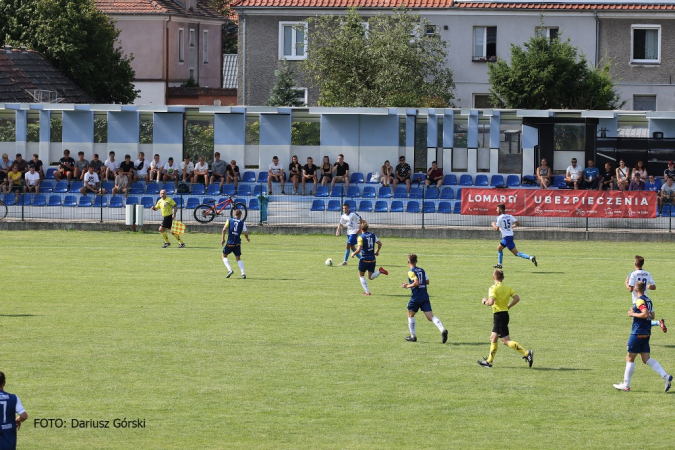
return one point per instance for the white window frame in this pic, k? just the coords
(181, 45)
(546, 31)
(205, 47)
(484, 56)
(303, 96)
(632, 43)
(294, 42)
(431, 29)
(193, 40)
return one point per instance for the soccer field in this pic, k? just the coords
(104, 326)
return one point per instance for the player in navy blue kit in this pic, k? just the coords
(419, 299)
(505, 223)
(365, 245)
(12, 414)
(642, 313)
(234, 228)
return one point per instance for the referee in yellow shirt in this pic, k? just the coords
(168, 209)
(498, 297)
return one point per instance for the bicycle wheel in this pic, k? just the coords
(205, 213)
(3, 210)
(240, 206)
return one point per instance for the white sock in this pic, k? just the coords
(375, 275)
(364, 283)
(628, 375)
(438, 323)
(227, 264)
(241, 266)
(654, 364)
(656, 323)
(411, 326)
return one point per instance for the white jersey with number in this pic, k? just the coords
(352, 222)
(505, 223)
(640, 275)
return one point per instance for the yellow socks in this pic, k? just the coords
(516, 346)
(166, 238)
(493, 351)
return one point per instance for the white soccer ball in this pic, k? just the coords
(329, 262)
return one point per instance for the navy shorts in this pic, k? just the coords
(352, 239)
(508, 242)
(416, 305)
(236, 249)
(366, 266)
(8, 439)
(500, 323)
(167, 221)
(638, 343)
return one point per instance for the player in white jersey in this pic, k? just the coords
(642, 275)
(353, 223)
(505, 223)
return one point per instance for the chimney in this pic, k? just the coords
(8, 48)
(24, 49)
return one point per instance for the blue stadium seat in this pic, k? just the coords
(101, 201)
(116, 201)
(180, 202)
(253, 204)
(198, 189)
(244, 190)
(24, 199)
(497, 181)
(353, 192)
(262, 177)
(559, 181)
(513, 181)
(54, 200)
(75, 187)
(450, 180)
(131, 200)
(413, 206)
(9, 199)
(248, 177)
(401, 191)
(321, 191)
(192, 203)
(396, 206)
(414, 192)
(531, 179)
(368, 192)
(334, 205)
(214, 189)
(481, 180)
(228, 189)
(50, 173)
(318, 205)
(384, 192)
(369, 178)
(429, 206)
(85, 201)
(431, 193)
(137, 188)
(447, 194)
(70, 201)
(352, 205)
(108, 186)
(466, 180)
(458, 208)
(356, 178)
(419, 177)
(445, 207)
(366, 206)
(152, 189)
(61, 187)
(381, 206)
(47, 187)
(337, 191)
(39, 200)
(209, 200)
(169, 187)
(458, 194)
(147, 202)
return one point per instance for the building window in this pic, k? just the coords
(292, 40)
(430, 30)
(549, 32)
(482, 101)
(644, 102)
(192, 73)
(192, 37)
(191, 5)
(181, 45)
(302, 95)
(484, 44)
(205, 46)
(646, 44)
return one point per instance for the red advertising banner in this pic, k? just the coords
(561, 203)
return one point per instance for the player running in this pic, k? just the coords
(419, 299)
(366, 247)
(642, 275)
(642, 313)
(505, 223)
(168, 208)
(353, 223)
(234, 228)
(498, 297)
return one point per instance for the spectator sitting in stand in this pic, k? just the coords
(66, 167)
(170, 172)
(218, 168)
(637, 184)
(544, 174)
(309, 173)
(667, 194)
(99, 167)
(5, 167)
(403, 173)
(121, 184)
(275, 173)
(37, 163)
(573, 175)
(156, 169)
(141, 167)
(651, 184)
(232, 174)
(127, 168)
(92, 183)
(434, 175)
(201, 173)
(386, 171)
(622, 176)
(186, 170)
(80, 166)
(294, 173)
(111, 167)
(32, 179)
(326, 171)
(607, 179)
(591, 176)
(670, 171)
(22, 163)
(640, 168)
(14, 182)
(341, 173)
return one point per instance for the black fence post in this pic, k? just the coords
(424, 195)
(586, 223)
(101, 205)
(23, 205)
(182, 205)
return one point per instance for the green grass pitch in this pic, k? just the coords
(105, 326)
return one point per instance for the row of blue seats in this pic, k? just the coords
(140, 188)
(116, 201)
(412, 206)
(401, 191)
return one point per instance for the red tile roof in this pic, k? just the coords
(341, 3)
(600, 6)
(161, 7)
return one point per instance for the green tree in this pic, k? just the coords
(230, 28)
(551, 74)
(284, 91)
(396, 61)
(77, 39)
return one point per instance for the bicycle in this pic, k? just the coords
(205, 213)
(3, 210)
